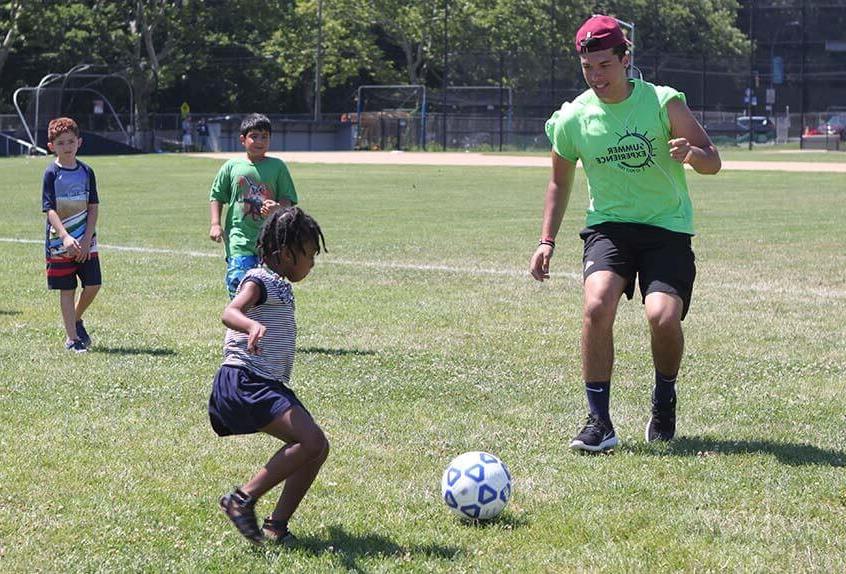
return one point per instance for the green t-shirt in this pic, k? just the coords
(242, 186)
(624, 151)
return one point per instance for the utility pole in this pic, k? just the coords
(446, 73)
(318, 61)
(501, 80)
(802, 74)
(750, 90)
(552, 49)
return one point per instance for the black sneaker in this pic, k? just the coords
(277, 532)
(662, 423)
(597, 435)
(75, 346)
(83, 334)
(240, 508)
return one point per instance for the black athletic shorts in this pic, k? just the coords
(662, 259)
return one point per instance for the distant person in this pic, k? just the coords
(203, 135)
(251, 391)
(69, 198)
(633, 139)
(251, 188)
(187, 128)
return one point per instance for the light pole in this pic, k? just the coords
(318, 61)
(771, 93)
(750, 86)
(631, 28)
(792, 24)
(446, 74)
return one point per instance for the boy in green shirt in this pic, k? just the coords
(251, 189)
(633, 139)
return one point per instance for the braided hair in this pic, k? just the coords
(292, 228)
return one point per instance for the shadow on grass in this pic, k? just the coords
(350, 548)
(334, 352)
(133, 351)
(8, 312)
(506, 521)
(787, 453)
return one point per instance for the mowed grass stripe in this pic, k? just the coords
(431, 267)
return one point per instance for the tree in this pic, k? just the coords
(686, 26)
(533, 34)
(14, 11)
(412, 25)
(134, 37)
(151, 32)
(348, 46)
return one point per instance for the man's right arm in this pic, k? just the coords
(219, 195)
(557, 196)
(215, 231)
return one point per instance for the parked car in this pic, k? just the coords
(834, 126)
(763, 128)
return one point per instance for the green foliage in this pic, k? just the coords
(691, 26)
(348, 44)
(253, 54)
(535, 34)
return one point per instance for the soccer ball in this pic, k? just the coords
(476, 485)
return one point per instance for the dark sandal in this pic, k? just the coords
(277, 531)
(239, 507)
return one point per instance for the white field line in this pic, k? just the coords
(758, 288)
(329, 260)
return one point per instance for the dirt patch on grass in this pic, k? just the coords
(484, 160)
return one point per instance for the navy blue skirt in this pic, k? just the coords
(241, 402)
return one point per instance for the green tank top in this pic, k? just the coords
(624, 151)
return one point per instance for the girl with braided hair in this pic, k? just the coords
(251, 390)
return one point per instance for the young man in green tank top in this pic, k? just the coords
(633, 139)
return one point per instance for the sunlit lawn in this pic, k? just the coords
(420, 337)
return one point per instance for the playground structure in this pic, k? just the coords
(58, 94)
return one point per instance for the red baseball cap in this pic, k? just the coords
(599, 33)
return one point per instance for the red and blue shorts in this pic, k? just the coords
(63, 271)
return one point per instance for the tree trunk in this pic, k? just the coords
(146, 65)
(11, 35)
(142, 88)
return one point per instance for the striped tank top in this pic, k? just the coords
(274, 310)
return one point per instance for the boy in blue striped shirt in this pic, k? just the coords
(70, 201)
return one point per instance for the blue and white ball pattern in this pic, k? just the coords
(476, 485)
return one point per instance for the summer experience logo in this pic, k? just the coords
(633, 152)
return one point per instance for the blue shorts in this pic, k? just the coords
(236, 267)
(241, 402)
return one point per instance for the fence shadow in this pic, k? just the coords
(334, 352)
(792, 454)
(156, 352)
(505, 520)
(351, 548)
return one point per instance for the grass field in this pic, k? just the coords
(420, 337)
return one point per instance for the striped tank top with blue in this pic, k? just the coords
(274, 310)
